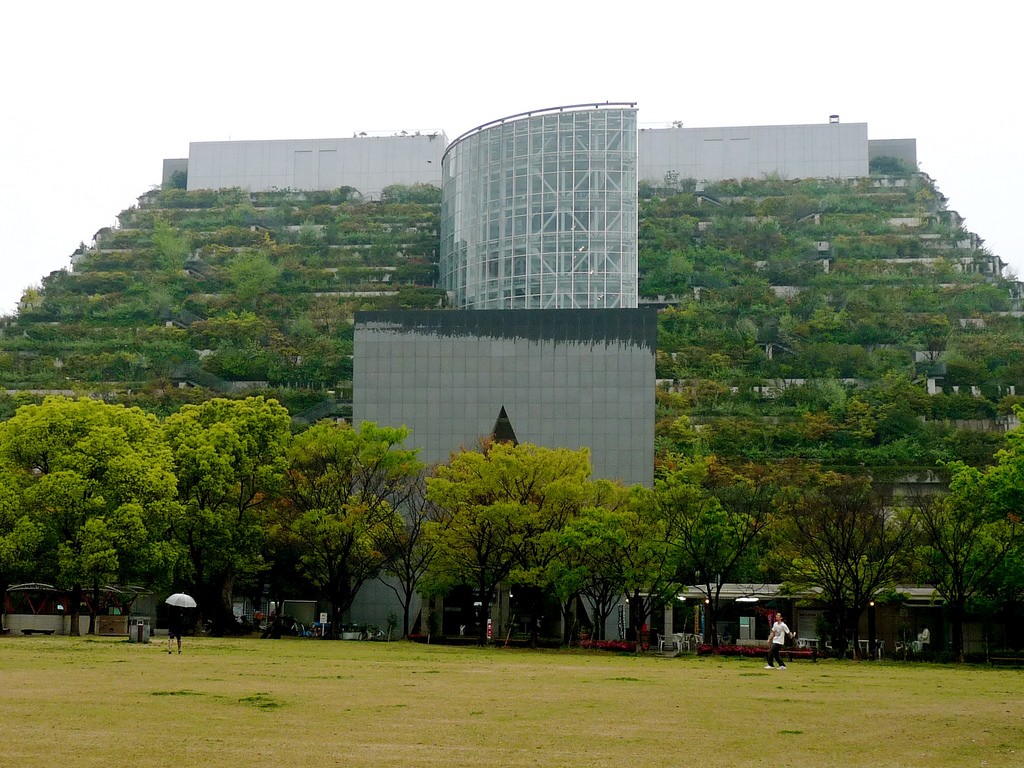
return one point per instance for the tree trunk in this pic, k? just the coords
(341, 600)
(227, 607)
(711, 624)
(535, 604)
(75, 600)
(568, 619)
(638, 618)
(486, 596)
(215, 604)
(94, 608)
(853, 621)
(839, 634)
(602, 611)
(336, 615)
(406, 603)
(956, 620)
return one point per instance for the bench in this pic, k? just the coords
(801, 653)
(1006, 660)
(37, 631)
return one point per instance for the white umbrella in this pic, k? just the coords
(181, 600)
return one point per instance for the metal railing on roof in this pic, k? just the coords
(535, 113)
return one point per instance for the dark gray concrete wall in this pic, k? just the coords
(566, 378)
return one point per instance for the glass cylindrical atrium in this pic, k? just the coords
(539, 211)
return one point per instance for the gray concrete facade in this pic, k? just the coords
(565, 378)
(366, 163)
(516, 181)
(829, 150)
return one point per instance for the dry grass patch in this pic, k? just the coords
(95, 702)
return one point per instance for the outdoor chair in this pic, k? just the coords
(670, 642)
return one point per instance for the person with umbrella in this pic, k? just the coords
(178, 602)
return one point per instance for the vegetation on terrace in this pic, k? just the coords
(853, 323)
(226, 290)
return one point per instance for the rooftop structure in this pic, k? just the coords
(369, 163)
(365, 163)
(539, 211)
(827, 150)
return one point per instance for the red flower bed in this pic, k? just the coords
(732, 650)
(609, 645)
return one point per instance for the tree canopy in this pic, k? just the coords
(503, 509)
(97, 485)
(344, 498)
(230, 460)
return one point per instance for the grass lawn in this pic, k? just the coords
(105, 702)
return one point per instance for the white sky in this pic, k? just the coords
(93, 96)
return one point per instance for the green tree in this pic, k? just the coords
(842, 538)
(408, 548)
(99, 486)
(968, 535)
(423, 194)
(345, 489)
(887, 165)
(19, 535)
(713, 517)
(172, 246)
(502, 509)
(178, 180)
(613, 548)
(230, 459)
(565, 569)
(1007, 591)
(252, 275)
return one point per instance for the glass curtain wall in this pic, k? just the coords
(540, 212)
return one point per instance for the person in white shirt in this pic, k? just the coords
(776, 638)
(924, 639)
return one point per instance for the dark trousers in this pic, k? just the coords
(773, 654)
